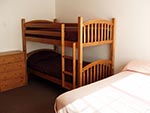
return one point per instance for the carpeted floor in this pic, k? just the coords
(37, 97)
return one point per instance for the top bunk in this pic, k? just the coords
(89, 33)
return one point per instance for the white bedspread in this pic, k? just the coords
(125, 92)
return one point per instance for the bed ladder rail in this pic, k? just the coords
(65, 72)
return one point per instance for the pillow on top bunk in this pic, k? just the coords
(138, 66)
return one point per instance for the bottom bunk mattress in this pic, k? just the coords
(49, 62)
(125, 92)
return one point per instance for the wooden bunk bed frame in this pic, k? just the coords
(90, 33)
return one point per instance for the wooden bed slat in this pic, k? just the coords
(38, 21)
(97, 21)
(68, 73)
(99, 27)
(91, 33)
(110, 32)
(42, 25)
(84, 34)
(43, 33)
(107, 33)
(101, 32)
(97, 43)
(96, 71)
(95, 29)
(88, 36)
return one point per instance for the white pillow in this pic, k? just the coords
(138, 66)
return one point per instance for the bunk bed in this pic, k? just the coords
(69, 72)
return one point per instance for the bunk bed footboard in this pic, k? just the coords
(95, 71)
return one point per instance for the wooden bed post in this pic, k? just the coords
(24, 47)
(113, 44)
(63, 53)
(80, 50)
(23, 36)
(74, 65)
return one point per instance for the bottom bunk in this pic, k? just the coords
(47, 64)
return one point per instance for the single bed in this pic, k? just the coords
(125, 92)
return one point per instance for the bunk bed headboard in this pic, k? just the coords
(96, 31)
(92, 33)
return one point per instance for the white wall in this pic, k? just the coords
(133, 25)
(132, 33)
(11, 12)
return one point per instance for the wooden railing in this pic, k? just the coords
(96, 71)
(97, 32)
(43, 28)
(92, 33)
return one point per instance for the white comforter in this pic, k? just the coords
(125, 92)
